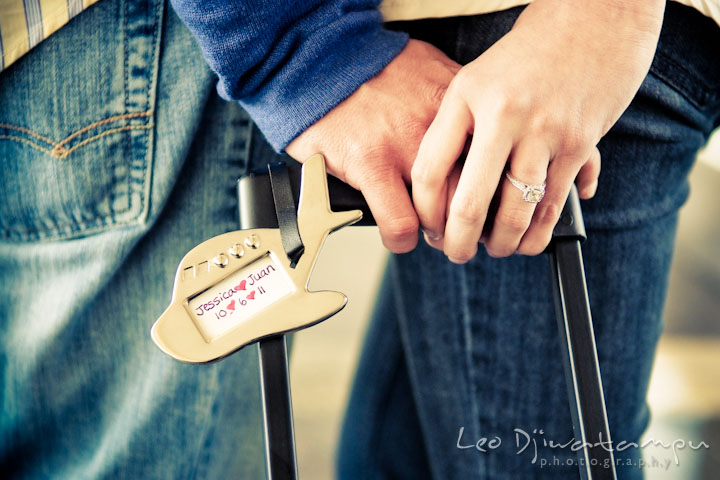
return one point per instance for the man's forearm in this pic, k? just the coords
(289, 63)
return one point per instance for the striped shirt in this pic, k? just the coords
(415, 9)
(25, 23)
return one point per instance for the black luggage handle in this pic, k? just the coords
(582, 372)
(580, 359)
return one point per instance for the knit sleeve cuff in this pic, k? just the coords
(318, 79)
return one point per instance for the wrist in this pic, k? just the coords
(644, 16)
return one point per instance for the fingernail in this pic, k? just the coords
(432, 235)
(456, 260)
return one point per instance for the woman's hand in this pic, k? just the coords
(537, 103)
(370, 140)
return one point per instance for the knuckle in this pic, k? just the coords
(411, 127)
(575, 143)
(401, 228)
(379, 151)
(423, 173)
(513, 220)
(571, 139)
(532, 247)
(354, 153)
(461, 254)
(461, 79)
(543, 124)
(499, 251)
(436, 93)
(515, 104)
(463, 82)
(468, 212)
(379, 173)
(531, 172)
(534, 244)
(548, 214)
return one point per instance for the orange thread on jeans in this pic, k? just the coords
(25, 130)
(103, 122)
(28, 142)
(59, 150)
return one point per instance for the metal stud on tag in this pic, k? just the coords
(252, 241)
(236, 250)
(220, 260)
(255, 292)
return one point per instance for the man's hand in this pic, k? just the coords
(370, 140)
(538, 102)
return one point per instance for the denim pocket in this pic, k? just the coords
(76, 136)
(686, 57)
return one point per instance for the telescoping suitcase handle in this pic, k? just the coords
(258, 196)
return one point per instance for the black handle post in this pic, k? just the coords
(582, 371)
(580, 360)
(256, 210)
(277, 409)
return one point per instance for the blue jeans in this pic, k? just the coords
(116, 158)
(475, 347)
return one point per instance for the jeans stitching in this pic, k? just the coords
(689, 73)
(138, 118)
(59, 151)
(107, 132)
(126, 54)
(700, 97)
(125, 14)
(152, 77)
(27, 142)
(100, 123)
(61, 230)
(28, 131)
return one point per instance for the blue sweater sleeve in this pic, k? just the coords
(288, 63)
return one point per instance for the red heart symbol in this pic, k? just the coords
(240, 286)
(252, 295)
(231, 305)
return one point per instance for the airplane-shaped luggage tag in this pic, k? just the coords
(239, 287)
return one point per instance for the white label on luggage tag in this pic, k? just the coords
(239, 296)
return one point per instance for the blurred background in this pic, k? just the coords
(685, 388)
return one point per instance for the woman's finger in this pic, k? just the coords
(560, 176)
(528, 169)
(483, 167)
(452, 183)
(439, 150)
(587, 178)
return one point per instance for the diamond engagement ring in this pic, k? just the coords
(531, 193)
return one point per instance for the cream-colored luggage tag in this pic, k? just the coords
(239, 287)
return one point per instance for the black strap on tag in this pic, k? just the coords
(254, 212)
(286, 212)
